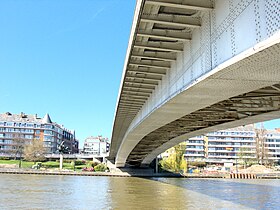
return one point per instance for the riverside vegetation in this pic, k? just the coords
(33, 155)
(77, 165)
(175, 162)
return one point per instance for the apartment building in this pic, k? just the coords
(272, 143)
(96, 145)
(231, 144)
(27, 127)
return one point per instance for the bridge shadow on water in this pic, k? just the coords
(257, 194)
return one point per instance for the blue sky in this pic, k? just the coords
(65, 58)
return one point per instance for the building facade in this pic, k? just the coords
(23, 127)
(96, 145)
(242, 142)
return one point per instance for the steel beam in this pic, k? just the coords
(137, 89)
(128, 109)
(165, 34)
(136, 92)
(172, 20)
(132, 111)
(144, 78)
(129, 105)
(125, 112)
(160, 46)
(143, 87)
(131, 102)
(183, 4)
(127, 115)
(142, 82)
(154, 56)
(152, 64)
(147, 72)
(132, 96)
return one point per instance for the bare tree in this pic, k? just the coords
(17, 145)
(35, 151)
(262, 155)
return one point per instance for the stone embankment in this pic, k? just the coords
(87, 173)
(235, 175)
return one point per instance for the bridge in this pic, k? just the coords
(192, 67)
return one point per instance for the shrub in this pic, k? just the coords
(4, 158)
(91, 164)
(50, 164)
(197, 164)
(80, 167)
(100, 167)
(80, 162)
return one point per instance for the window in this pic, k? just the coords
(10, 130)
(48, 126)
(28, 136)
(48, 132)
(30, 125)
(11, 124)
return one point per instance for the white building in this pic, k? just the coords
(272, 143)
(227, 145)
(96, 145)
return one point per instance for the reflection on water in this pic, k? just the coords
(256, 194)
(67, 192)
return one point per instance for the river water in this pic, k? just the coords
(74, 192)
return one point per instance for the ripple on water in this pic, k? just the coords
(67, 192)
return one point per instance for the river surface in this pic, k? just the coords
(74, 192)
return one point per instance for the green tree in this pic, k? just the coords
(175, 161)
(244, 155)
(35, 151)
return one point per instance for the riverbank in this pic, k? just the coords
(86, 173)
(141, 173)
(236, 176)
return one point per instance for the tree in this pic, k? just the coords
(175, 161)
(244, 155)
(18, 145)
(261, 150)
(35, 151)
